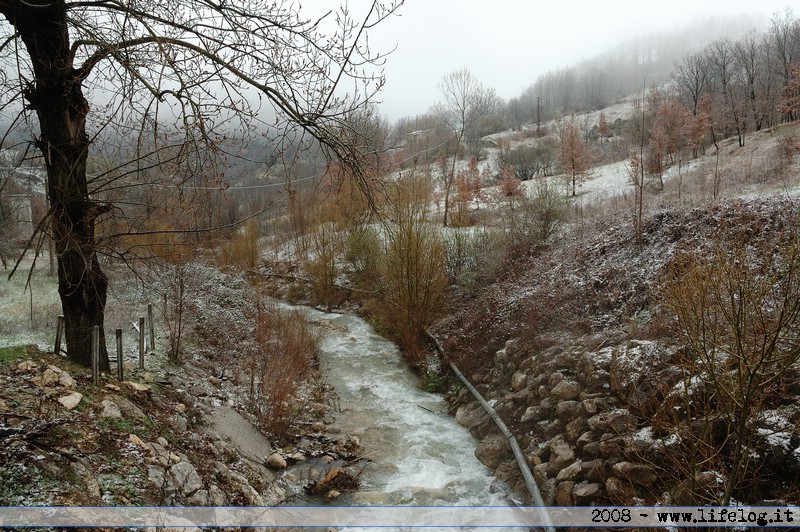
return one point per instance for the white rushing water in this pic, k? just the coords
(419, 454)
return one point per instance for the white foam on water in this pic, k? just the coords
(430, 456)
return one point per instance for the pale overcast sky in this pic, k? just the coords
(508, 43)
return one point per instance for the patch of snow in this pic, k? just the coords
(645, 434)
(603, 356)
(777, 430)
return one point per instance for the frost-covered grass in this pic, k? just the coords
(28, 311)
(30, 306)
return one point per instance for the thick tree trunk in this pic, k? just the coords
(57, 97)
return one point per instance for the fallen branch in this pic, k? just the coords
(33, 430)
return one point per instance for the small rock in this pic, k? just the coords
(319, 408)
(595, 470)
(198, 498)
(333, 494)
(133, 438)
(555, 378)
(518, 381)
(567, 410)
(180, 408)
(66, 380)
(618, 421)
(131, 410)
(137, 387)
(566, 390)
(570, 472)
(641, 474)
(113, 387)
(592, 450)
(273, 495)
(586, 492)
(590, 406)
(110, 410)
(179, 423)
(687, 492)
(222, 472)
(575, 429)
(532, 413)
(251, 496)
(46, 379)
(276, 461)
(548, 489)
(474, 417)
(584, 439)
(71, 401)
(540, 473)
(55, 369)
(492, 450)
(79, 466)
(27, 365)
(184, 476)
(561, 455)
(216, 497)
(157, 476)
(564, 495)
(158, 455)
(611, 446)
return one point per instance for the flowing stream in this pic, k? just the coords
(419, 454)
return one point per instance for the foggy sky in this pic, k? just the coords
(507, 44)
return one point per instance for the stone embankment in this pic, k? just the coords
(581, 417)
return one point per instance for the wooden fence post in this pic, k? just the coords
(96, 355)
(59, 333)
(152, 329)
(141, 343)
(120, 368)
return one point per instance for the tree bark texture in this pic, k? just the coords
(56, 96)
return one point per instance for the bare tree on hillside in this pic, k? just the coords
(178, 79)
(784, 37)
(750, 56)
(575, 156)
(692, 75)
(461, 106)
(790, 103)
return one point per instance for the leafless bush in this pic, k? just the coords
(413, 274)
(285, 352)
(737, 308)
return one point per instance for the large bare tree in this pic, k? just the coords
(174, 80)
